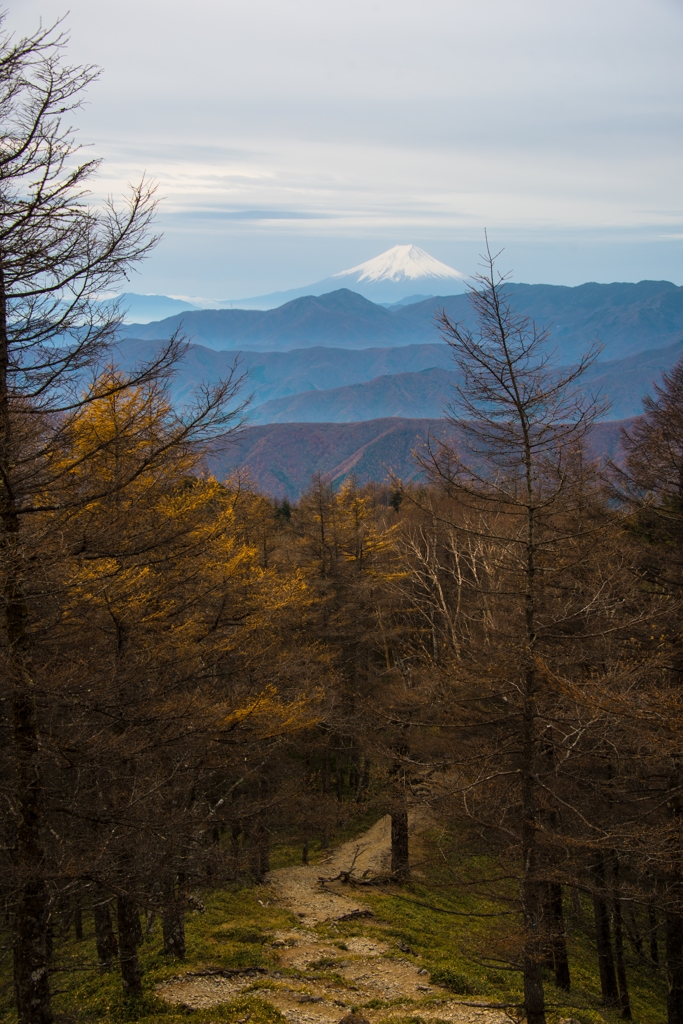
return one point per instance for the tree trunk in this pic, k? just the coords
(31, 912)
(673, 921)
(400, 855)
(128, 921)
(105, 939)
(603, 937)
(173, 920)
(325, 771)
(339, 771)
(577, 906)
(624, 1001)
(558, 937)
(363, 781)
(534, 996)
(304, 852)
(31, 985)
(633, 932)
(654, 944)
(264, 852)
(235, 832)
(673, 947)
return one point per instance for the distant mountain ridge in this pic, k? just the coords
(145, 308)
(274, 375)
(427, 393)
(627, 318)
(341, 386)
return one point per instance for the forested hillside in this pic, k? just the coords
(281, 459)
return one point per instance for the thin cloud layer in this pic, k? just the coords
(294, 138)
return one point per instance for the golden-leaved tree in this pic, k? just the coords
(176, 660)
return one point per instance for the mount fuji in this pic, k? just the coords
(404, 271)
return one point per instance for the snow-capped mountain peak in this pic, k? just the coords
(402, 263)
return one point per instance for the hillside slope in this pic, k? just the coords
(427, 393)
(281, 459)
(273, 375)
(422, 394)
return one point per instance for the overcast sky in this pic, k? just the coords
(294, 138)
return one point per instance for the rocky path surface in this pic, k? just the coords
(325, 972)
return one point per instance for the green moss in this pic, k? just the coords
(454, 981)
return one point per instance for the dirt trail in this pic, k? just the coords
(329, 974)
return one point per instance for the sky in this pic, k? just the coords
(291, 139)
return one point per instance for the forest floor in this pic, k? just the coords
(306, 947)
(339, 957)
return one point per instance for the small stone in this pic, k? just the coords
(423, 970)
(277, 942)
(424, 988)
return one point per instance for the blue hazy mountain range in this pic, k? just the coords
(625, 318)
(340, 386)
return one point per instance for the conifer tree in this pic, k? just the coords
(58, 251)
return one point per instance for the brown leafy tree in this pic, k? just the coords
(520, 427)
(57, 251)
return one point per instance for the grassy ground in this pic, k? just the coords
(457, 945)
(461, 952)
(230, 933)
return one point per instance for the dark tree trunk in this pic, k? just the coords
(325, 771)
(363, 781)
(354, 772)
(31, 911)
(339, 770)
(624, 1001)
(534, 996)
(577, 906)
(31, 915)
(105, 939)
(235, 832)
(264, 852)
(31, 985)
(173, 920)
(603, 937)
(652, 922)
(558, 937)
(259, 854)
(128, 921)
(673, 947)
(400, 854)
(673, 921)
(304, 852)
(137, 924)
(633, 932)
